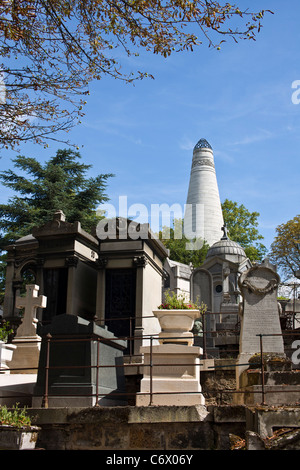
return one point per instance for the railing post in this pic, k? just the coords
(151, 370)
(97, 372)
(204, 335)
(45, 399)
(262, 370)
(130, 338)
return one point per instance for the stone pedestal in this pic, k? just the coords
(26, 355)
(173, 376)
(6, 354)
(74, 378)
(172, 368)
(27, 342)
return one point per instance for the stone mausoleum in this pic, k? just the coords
(114, 282)
(119, 281)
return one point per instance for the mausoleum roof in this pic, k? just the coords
(26, 238)
(202, 144)
(225, 247)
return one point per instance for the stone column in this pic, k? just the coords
(140, 262)
(100, 295)
(9, 299)
(40, 282)
(71, 263)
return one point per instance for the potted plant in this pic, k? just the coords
(176, 316)
(16, 430)
(6, 350)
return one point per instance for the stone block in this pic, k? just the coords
(75, 372)
(171, 376)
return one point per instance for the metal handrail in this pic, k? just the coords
(151, 365)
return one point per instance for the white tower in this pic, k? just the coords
(203, 216)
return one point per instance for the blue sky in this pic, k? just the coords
(238, 98)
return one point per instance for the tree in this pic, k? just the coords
(52, 49)
(285, 250)
(178, 246)
(59, 184)
(242, 225)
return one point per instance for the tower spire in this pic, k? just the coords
(203, 215)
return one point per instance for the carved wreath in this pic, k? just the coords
(272, 284)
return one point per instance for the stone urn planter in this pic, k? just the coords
(13, 438)
(176, 325)
(6, 354)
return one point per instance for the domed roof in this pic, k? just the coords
(226, 247)
(202, 144)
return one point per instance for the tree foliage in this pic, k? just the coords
(52, 49)
(285, 250)
(175, 240)
(242, 226)
(59, 184)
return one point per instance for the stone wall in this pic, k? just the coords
(219, 383)
(139, 428)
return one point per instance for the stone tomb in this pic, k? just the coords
(73, 349)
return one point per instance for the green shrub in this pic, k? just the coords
(5, 331)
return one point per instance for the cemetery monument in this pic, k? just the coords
(203, 217)
(27, 342)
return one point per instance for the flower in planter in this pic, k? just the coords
(174, 302)
(16, 417)
(179, 319)
(16, 430)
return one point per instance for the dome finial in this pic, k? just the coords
(202, 144)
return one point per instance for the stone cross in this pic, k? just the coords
(30, 303)
(225, 232)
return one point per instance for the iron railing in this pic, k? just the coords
(151, 338)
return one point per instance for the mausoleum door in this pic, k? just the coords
(55, 289)
(120, 302)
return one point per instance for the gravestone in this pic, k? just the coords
(259, 315)
(201, 291)
(201, 287)
(26, 354)
(85, 365)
